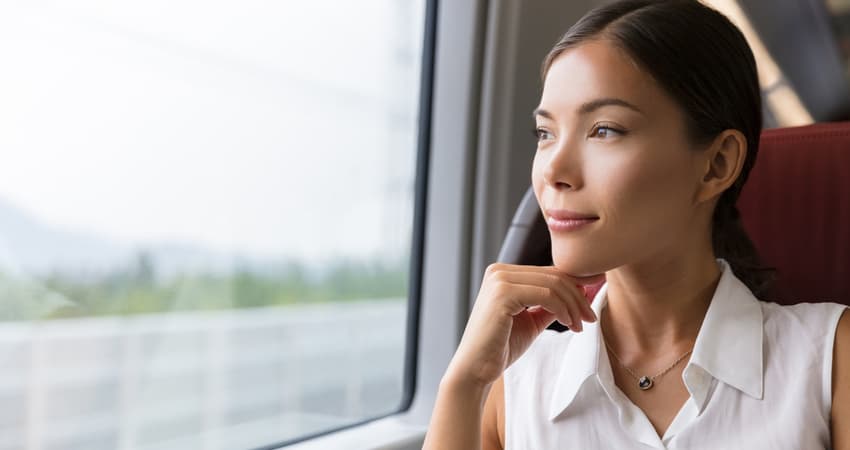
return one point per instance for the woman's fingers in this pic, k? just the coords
(564, 285)
(522, 296)
(575, 280)
(558, 287)
(528, 268)
(501, 326)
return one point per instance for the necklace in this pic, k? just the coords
(644, 382)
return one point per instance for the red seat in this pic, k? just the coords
(796, 208)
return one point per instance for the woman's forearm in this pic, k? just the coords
(456, 419)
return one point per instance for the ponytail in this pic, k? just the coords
(731, 242)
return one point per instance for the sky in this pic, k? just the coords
(267, 128)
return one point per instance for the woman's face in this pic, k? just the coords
(613, 145)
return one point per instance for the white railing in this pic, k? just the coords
(236, 379)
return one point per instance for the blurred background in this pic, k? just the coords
(190, 194)
(207, 209)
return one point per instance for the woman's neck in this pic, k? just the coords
(657, 307)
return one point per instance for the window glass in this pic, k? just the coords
(839, 12)
(781, 103)
(205, 219)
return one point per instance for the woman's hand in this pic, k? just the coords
(500, 328)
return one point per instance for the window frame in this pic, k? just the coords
(450, 91)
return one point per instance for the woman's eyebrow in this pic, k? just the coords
(591, 106)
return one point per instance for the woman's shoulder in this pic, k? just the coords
(808, 312)
(815, 322)
(840, 413)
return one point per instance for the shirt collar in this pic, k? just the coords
(728, 346)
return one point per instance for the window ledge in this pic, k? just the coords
(388, 433)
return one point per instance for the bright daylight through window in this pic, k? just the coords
(206, 214)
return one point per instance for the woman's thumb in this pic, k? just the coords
(541, 317)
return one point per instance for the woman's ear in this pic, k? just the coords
(722, 164)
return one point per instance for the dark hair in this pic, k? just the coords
(704, 62)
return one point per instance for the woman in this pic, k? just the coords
(647, 127)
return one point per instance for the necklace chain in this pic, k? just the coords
(643, 382)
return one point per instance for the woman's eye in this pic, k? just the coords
(603, 131)
(541, 134)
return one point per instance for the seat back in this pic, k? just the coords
(795, 207)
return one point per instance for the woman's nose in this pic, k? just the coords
(563, 168)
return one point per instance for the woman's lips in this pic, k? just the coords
(566, 220)
(567, 224)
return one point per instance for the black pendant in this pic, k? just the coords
(645, 383)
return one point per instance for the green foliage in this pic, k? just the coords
(137, 291)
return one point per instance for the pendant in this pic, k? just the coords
(645, 383)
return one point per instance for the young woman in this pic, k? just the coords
(647, 127)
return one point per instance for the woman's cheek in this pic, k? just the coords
(644, 200)
(538, 164)
(617, 189)
(537, 181)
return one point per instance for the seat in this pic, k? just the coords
(795, 206)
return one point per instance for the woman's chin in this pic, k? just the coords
(582, 268)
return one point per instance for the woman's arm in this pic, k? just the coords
(456, 419)
(841, 385)
(514, 306)
(493, 426)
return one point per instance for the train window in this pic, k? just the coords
(790, 41)
(781, 102)
(206, 215)
(839, 11)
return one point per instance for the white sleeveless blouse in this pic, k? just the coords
(759, 377)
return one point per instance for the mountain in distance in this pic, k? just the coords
(30, 247)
